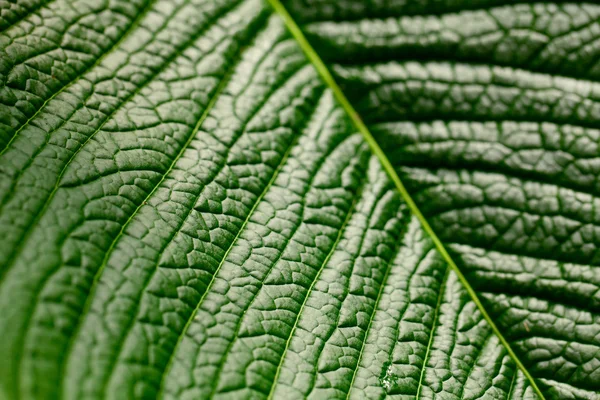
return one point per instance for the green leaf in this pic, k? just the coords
(307, 199)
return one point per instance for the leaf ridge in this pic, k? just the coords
(293, 72)
(472, 366)
(219, 89)
(404, 310)
(471, 62)
(191, 317)
(449, 9)
(137, 90)
(26, 14)
(432, 333)
(165, 372)
(98, 273)
(477, 167)
(512, 385)
(240, 322)
(132, 27)
(389, 267)
(325, 74)
(327, 258)
(392, 49)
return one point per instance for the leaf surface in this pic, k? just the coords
(314, 199)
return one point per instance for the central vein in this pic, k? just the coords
(323, 71)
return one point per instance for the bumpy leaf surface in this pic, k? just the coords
(191, 207)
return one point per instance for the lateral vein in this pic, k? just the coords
(432, 333)
(209, 286)
(132, 27)
(310, 289)
(322, 69)
(202, 118)
(38, 215)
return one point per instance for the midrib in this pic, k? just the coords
(323, 71)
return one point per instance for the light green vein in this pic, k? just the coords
(432, 332)
(132, 28)
(388, 269)
(213, 100)
(310, 289)
(512, 385)
(322, 69)
(192, 316)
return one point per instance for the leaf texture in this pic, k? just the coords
(189, 209)
(489, 115)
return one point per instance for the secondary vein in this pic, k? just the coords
(325, 74)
